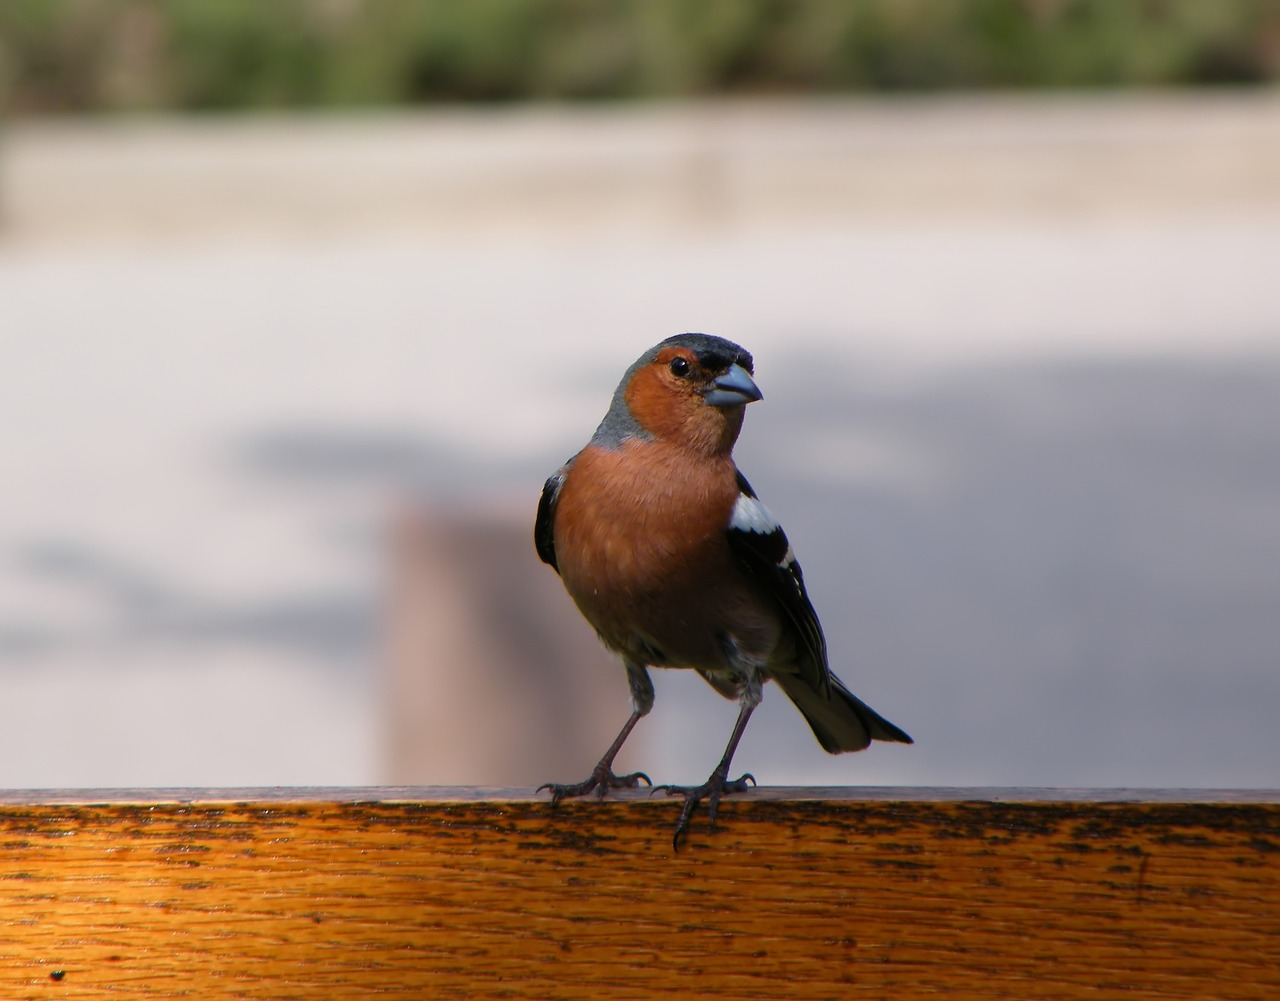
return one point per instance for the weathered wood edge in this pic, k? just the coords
(483, 794)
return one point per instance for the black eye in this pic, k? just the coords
(679, 367)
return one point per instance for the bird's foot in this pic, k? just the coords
(718, 785)
(601, 780)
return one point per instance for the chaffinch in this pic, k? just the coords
(669, 554)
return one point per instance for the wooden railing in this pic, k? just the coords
(806, 893)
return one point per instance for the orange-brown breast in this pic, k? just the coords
(641, 546)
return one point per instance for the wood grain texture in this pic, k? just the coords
(832, 897)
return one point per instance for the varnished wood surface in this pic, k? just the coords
(490, 794)
(847, 893)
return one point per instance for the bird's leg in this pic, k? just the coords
(602, 778)
(719, 783)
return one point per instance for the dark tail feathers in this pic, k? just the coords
(843, 723)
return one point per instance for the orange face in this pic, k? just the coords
(668, 397)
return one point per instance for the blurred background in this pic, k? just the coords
(301, 301)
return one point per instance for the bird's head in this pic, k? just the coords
(690, 389)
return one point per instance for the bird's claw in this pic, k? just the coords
(631, 781)
(601, 781)
(711, 790)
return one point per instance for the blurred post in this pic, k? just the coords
(492, 676)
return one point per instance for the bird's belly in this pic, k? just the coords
(662, 628)
(669, 596)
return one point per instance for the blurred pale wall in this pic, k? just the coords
(1020, 361)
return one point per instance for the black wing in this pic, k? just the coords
(544, 526)
(761, 546)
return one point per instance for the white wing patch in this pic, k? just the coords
(749, 515)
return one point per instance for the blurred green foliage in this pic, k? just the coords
(100, 55)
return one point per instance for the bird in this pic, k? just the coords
(669, 554)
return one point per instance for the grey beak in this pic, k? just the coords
(734, 387)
